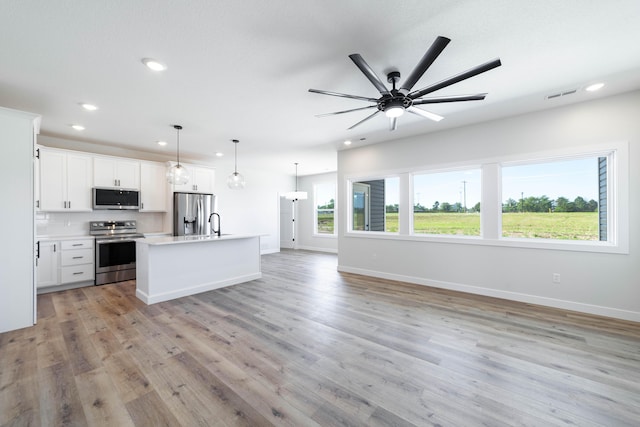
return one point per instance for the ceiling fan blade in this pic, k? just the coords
(371, 75)
(457, 78)
(393, 123)
(455, 98)
(425, 114)
(346, 111)
(434, 51)
(364, 120)
(343, 95)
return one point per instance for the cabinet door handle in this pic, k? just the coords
(77, 244)
(78, 272)
(141, 205)
(69, 204)
(38, 204)
(77, 257)
(65, 204)
(38, 250)
(54, 247)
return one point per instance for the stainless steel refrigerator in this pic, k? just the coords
(191, 212)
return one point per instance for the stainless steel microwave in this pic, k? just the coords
(115, 198)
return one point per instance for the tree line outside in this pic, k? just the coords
(527, 204)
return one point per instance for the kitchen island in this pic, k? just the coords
(171, 267)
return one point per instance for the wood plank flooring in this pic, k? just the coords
(308, 346)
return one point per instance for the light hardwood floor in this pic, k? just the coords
(307, 345)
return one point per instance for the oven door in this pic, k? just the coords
(115, 254)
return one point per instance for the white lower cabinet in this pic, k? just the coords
(47, 264)
(76, 261)
(65, 261)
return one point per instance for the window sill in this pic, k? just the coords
(560, 245)
(325, 236)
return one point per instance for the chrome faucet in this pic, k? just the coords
(212, 230)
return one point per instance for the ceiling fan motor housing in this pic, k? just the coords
(396, 100)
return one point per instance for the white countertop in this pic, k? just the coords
(172, 240)
(63, 237)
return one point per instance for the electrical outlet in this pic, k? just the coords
(556, 278)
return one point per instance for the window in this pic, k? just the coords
(325, 196)
(447, 202)
(375, 205)
(564, 199)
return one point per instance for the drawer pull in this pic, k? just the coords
(77, 244)
(78, 272)
(77, 257)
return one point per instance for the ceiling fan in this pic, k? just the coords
(395, 102)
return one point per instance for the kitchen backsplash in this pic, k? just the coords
(77, 223)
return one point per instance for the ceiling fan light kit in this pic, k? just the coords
(395, 102)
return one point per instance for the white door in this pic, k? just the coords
(286, 224)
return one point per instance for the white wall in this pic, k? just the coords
(599, 283)
(254, 209)
(305, 220)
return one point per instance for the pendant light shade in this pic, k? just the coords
(235, 180)
(296, 195)
(178, 174)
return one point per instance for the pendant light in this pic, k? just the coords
(296, 195)
(178, 174)
(235, 180)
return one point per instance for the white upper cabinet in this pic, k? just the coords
(116, 173)
(202, 180)
(65, 181)
(153, 187)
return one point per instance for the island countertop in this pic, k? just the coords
(173, 240)
(169, 267)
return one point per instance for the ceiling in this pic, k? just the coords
(242, 69)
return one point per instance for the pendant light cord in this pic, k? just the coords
(177, 128)
(235, 156)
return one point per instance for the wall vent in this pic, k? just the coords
(563, 93)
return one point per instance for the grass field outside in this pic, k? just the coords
(533, 225)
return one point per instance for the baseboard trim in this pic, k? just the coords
(204, 287)
(513, 296)
(315, 249)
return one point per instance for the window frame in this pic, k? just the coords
(613, 208)
(461, 168)
(618, 181)
(349, 199)
(335, 210)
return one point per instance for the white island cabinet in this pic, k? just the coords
(173, 267)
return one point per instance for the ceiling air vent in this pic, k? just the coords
(563, 93)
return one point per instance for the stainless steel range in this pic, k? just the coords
(115, 250)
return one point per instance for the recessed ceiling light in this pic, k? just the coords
(89, 107)
(594, 87)
(219, 154)
(347, 142)
(154, 64)
(78, 127)
(162, 143)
